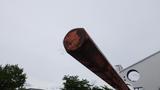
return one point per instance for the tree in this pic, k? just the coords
(11, 77)
(74, 83)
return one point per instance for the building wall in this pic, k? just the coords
(149, 71)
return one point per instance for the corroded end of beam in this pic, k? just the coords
(74, 39)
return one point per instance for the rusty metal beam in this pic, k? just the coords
(80, 46)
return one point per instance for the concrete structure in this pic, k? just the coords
(143, 75)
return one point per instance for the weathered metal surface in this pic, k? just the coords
(80, 46)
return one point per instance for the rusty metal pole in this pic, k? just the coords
(80, 46)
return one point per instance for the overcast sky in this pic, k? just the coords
(32, 32)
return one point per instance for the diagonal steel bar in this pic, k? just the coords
(80, 46)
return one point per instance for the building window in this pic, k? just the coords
(133, 75)
(138, 88)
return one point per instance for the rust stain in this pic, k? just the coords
(72, 40)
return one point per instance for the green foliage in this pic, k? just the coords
(11, 77)
(73, 83)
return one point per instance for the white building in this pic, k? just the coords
(143, 75)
